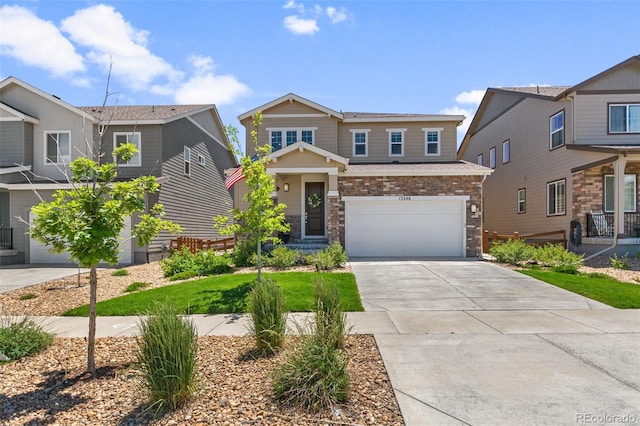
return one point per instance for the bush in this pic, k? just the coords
(166, 354)
(22, 338)
(120, 273)
(269, 318)
(512, 252)
(619, 262)
(178, 261)
(185, 275)
(135, 286)
(282, 257)
(330, 258)
(556, 255)
(187, 265)
(331, 322)
(244, 254)
(209, 263)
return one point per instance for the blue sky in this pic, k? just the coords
(369, 56)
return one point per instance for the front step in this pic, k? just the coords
(306, 245)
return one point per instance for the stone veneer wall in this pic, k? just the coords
(413, 186)
(295, 223)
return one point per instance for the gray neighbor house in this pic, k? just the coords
(184, 146)
(563, 158)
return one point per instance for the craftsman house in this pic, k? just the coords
(381, 184)
(563, 158)
(184, 146)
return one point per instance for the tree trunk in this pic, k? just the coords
(93, 298)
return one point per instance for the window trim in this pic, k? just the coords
(61, 160)
(480, 160)
(402, 132)
(139, 146)
(438, 143)
(552, 132)
(635, 192)
(284, 131)
(366, 142)
(609, 105)
(506, 159)
(523, 201)
(202, 161)
(186, 154)
(492, 158)
(564, 196)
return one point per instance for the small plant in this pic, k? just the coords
(330, 258)
(619, 262)
(282, 257)
(269, 318)
(135, 286)
(331, 322)
(512, 252)
(166, 355)
(556, 255)
(599, 275)
(28, 296)
(244, 254)
(23, 337)
(120, 273)
(185, 275)
(207, 262)
(178, 261)
(565, 269)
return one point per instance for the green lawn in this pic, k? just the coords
(222, 294)
(606, 290)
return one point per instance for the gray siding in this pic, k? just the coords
(150, 154)
(627, 78)
(12, 145)
(500, 102)
(592, 119)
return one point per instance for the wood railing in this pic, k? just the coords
(197, 244)
(533, 239)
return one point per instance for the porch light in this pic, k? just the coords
(285, 187)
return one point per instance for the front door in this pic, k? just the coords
(314, 209)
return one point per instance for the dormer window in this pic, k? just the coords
(289, 136)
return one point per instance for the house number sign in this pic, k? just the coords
(404, 198)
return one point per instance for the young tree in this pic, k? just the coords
(86, 220)
(263, 219)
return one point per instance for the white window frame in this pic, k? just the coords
(506, 151)
(632, 179)
(136, 160)
(559, 208)
(521, 201)
(60, 159)
(366, 142)
(438, 143)
(187, 160)
(390, 133)
(627, 119)
(298, 131)
(202, 160)
(553, 131)
(492, 158)
(480, 160)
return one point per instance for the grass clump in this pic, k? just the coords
(28, 296)
(22, 337)
(282, 257)
(330, 320)
(120, 273)
(135, 286)
(268, 315)
(166, 354)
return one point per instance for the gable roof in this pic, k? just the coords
(19, 115)
(290, 97)
(545, 91)
(304, 146)
(143, 114)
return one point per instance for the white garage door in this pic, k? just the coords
(405, 226)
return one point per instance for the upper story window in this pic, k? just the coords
(289, 136)
(432, 141)
(624, 118)
(57, 147)
(506, 151)
(120, 138)
(556, 130)
(522, 200)
(396, 142)
(360, 142)
(492, 157)
(202, 160)
(628, 192)
(480, 159)
(187, 161)
(556, 198)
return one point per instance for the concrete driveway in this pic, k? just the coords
(13, 277)
(468, 342)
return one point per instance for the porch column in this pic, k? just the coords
(618, 195)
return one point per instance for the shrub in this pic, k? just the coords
(166, 354)
(187, 264)
(178, 261)
(244, 254)
(512, 252)
(282, 257)
(209, 263)
(269, 318)
(28, 296)
(619, 262)
(23, 337)
(330, 258)
(135, 286)
(184, 275)
(314, 377)
(556, 255)
(120, 273)
(331, 322)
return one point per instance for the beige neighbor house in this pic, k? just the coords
(559, 153)
(380, 184)
(184, 146)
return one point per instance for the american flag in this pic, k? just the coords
(234, 177)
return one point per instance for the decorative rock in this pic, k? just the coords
(3, 357)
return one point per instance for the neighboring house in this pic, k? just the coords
(184, 146)
(559, 153)
(380, 184)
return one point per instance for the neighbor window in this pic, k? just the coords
(396, 142)
(555, 198)
(120, 138)
(289, 136)
(506, 152)
(522, 200)
(202, 160)
(480, 159)
(360, 142)
(57, 147)
(187, 161)
(624, 118)
(492, 157)
(432, 141)
(629, 192)
(556, 130)
(276, 140)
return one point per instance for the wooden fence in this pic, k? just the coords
(197, 244)
(534, 239)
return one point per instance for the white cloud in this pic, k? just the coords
(299, 25)
(473, 97)
(336, 15)
(111, 38)
(291, 4)
(36, 42)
